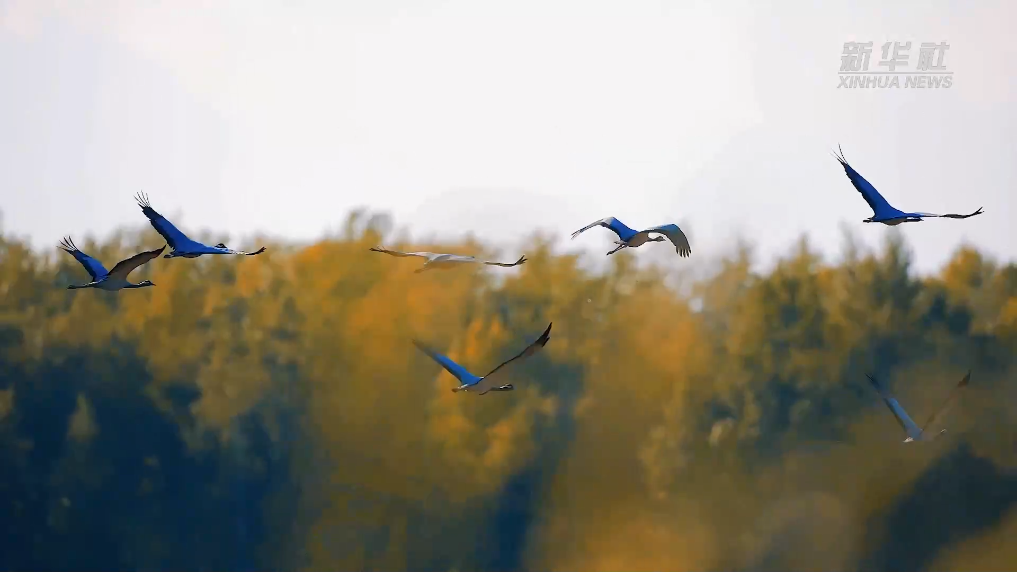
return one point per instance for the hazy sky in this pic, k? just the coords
(498, 118)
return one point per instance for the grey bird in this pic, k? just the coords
(915, 433)
(113, 280)
(629, 238)
(435, 260)
(489, 382)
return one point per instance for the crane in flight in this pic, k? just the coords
(881, 210)
(434, 260)
(915, 433)
(115, 279)
(180, 245)
(492, 381)
(629, 238)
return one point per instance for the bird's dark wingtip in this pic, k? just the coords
(839, 156)
(966, 380)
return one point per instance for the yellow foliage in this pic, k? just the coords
(729, 429)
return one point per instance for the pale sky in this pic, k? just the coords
(499, 118)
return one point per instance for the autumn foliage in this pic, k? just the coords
(271, 413)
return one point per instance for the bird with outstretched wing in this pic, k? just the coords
(435, 260)
(490, 382)
(180, 244)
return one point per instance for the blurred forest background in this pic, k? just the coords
(270, 413)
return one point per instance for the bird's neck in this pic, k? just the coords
(137, 285)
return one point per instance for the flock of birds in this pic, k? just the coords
(181, 246)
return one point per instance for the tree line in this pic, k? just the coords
(270, 413)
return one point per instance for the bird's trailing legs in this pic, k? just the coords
(620, 246)
(506, 387)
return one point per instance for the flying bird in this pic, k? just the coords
(115, 279)
(180, 245)
(489, 382)
(911, 429)
(445, 261)
(631, 239)
(881, 210)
